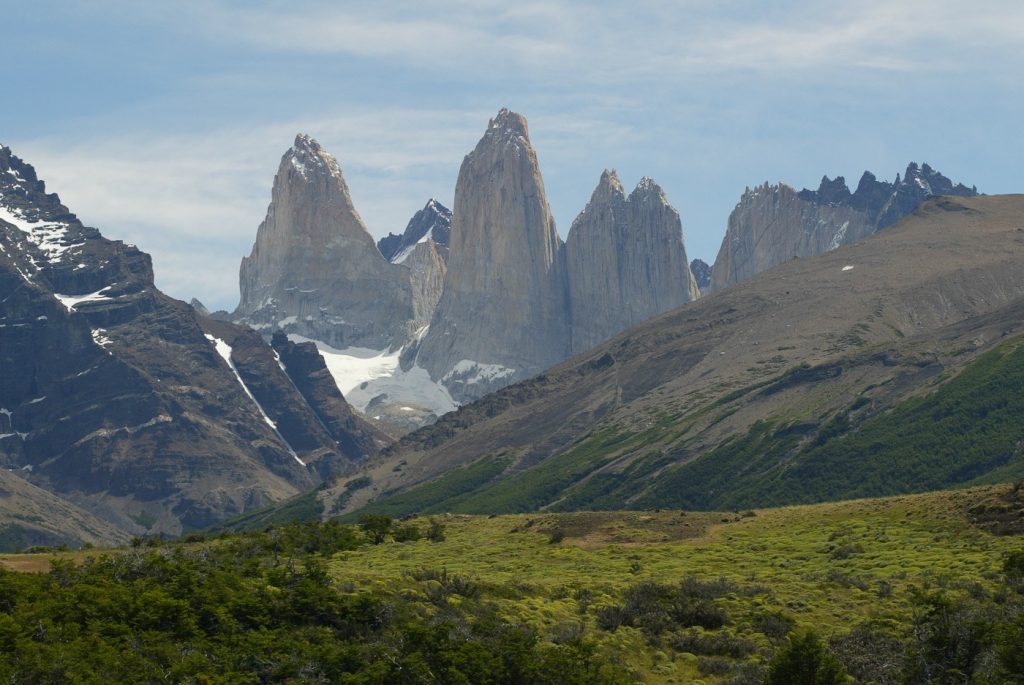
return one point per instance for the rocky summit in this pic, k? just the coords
(503, 313)
(626, 261)
(516, 299)
(314, 269)
(774, 223)
(433, 223)
(122, 400)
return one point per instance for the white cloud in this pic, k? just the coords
(599, 42)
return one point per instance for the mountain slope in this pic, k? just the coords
(111, 395)
(30, 516)
(782, 354)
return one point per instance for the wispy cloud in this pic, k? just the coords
(598, 41)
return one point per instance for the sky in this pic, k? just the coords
(163, 123)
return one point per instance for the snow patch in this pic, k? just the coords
(49, 237)
(478, 371)
(99, 336)
(72, 301)
(362, 374)
(837, 239)
(224, 350)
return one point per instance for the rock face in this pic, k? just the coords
(314, 269)
(423, 249)
(626, 261)
(701, 271)
(433, 222)
(427, 269)
(462, 302)
(774, 223)
(309, 375)
(503, 313)
(111, 395)
(289, 384)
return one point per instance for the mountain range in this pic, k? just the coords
(882, 367)
(525, 372)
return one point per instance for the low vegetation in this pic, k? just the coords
(913, 589)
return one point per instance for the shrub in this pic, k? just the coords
(407, 533)
(804, 660)
(435, 533)
(774, 625)
(869, 654)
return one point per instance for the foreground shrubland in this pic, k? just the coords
(905, 590)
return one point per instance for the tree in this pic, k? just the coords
(376, 526)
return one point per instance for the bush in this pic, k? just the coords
(407, 533)
(774, 625)
(804, 660)
(870, 654)
(436, 531)
(712, 644)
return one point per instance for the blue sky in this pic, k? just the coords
(162, 123)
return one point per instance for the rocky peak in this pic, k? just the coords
(625, 261)
(608, 186)
(771, 225)
(508, 125)
(648, 190)
(314, 269)
(502, 315)
(701, 273)
(433, 222)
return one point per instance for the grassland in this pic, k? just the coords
(828, 567)
(665, 595)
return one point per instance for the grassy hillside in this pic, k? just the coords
(969, 428)
(887, 585)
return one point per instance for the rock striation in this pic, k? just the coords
(112, 395)
(503, 315)
(774, 223)
(314, 269)
(626, 261)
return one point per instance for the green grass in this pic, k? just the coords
(438, 495)
(304, 507)
(828, 567)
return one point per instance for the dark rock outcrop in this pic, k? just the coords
(701, 271)
(307, 372)
(433, 222)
